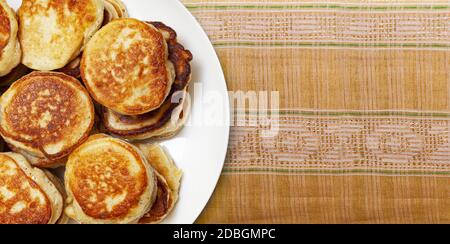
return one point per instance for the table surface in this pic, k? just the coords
(360, 130)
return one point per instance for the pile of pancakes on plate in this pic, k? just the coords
(87, 88)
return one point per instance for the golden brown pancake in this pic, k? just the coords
(27, 195)
(154, 124)
(169, 177)
(108, 181)
(73, 68)
(125, 67)
(46, 115)
(10, 52)
(53, 32)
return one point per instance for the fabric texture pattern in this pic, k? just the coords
(363, 117)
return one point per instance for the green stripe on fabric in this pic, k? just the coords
(322, 6)
(353, 113)
(300, 171)
(329, 44)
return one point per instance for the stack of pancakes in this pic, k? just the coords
(72, 69)
(10, 51)
(139, 100)
(110, 181)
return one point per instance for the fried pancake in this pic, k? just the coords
(27, 194)
(73, 68)
(10, 52)
(169, 177)
(54, 32)
(46, 115)
(108, 181)
(171, 116)
(5, 24)
(125, 67)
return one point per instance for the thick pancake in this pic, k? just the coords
(41, 162)
(125, 67)
(10, 52)
(169, 177)
(108, 181)
(73, 68)
(46, 114)
(5, 25)
(163, 203)
(172, 114)
(27, 195)
(53, 32)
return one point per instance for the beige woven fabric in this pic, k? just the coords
(364, 120)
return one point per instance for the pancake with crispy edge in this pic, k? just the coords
(125, 67)
(46, 162)
(10, 51)
(53, 32)
(110, 14)
(108, 181)
(46, 115)
(63, 219)
(170, 117)
(169, 177)
(27, 194)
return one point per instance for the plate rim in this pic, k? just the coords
(227, 109)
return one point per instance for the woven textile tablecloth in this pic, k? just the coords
(364, 119)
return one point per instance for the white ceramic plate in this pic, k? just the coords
(200, 149)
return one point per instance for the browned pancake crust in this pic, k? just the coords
(108, 171)
(181, 59)
(73, 68)
(73, 22)
(105, 87)
(5, 28)
(29, 104)
(34, 213)
(39, 162)
(63, 219)
(162, 203)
